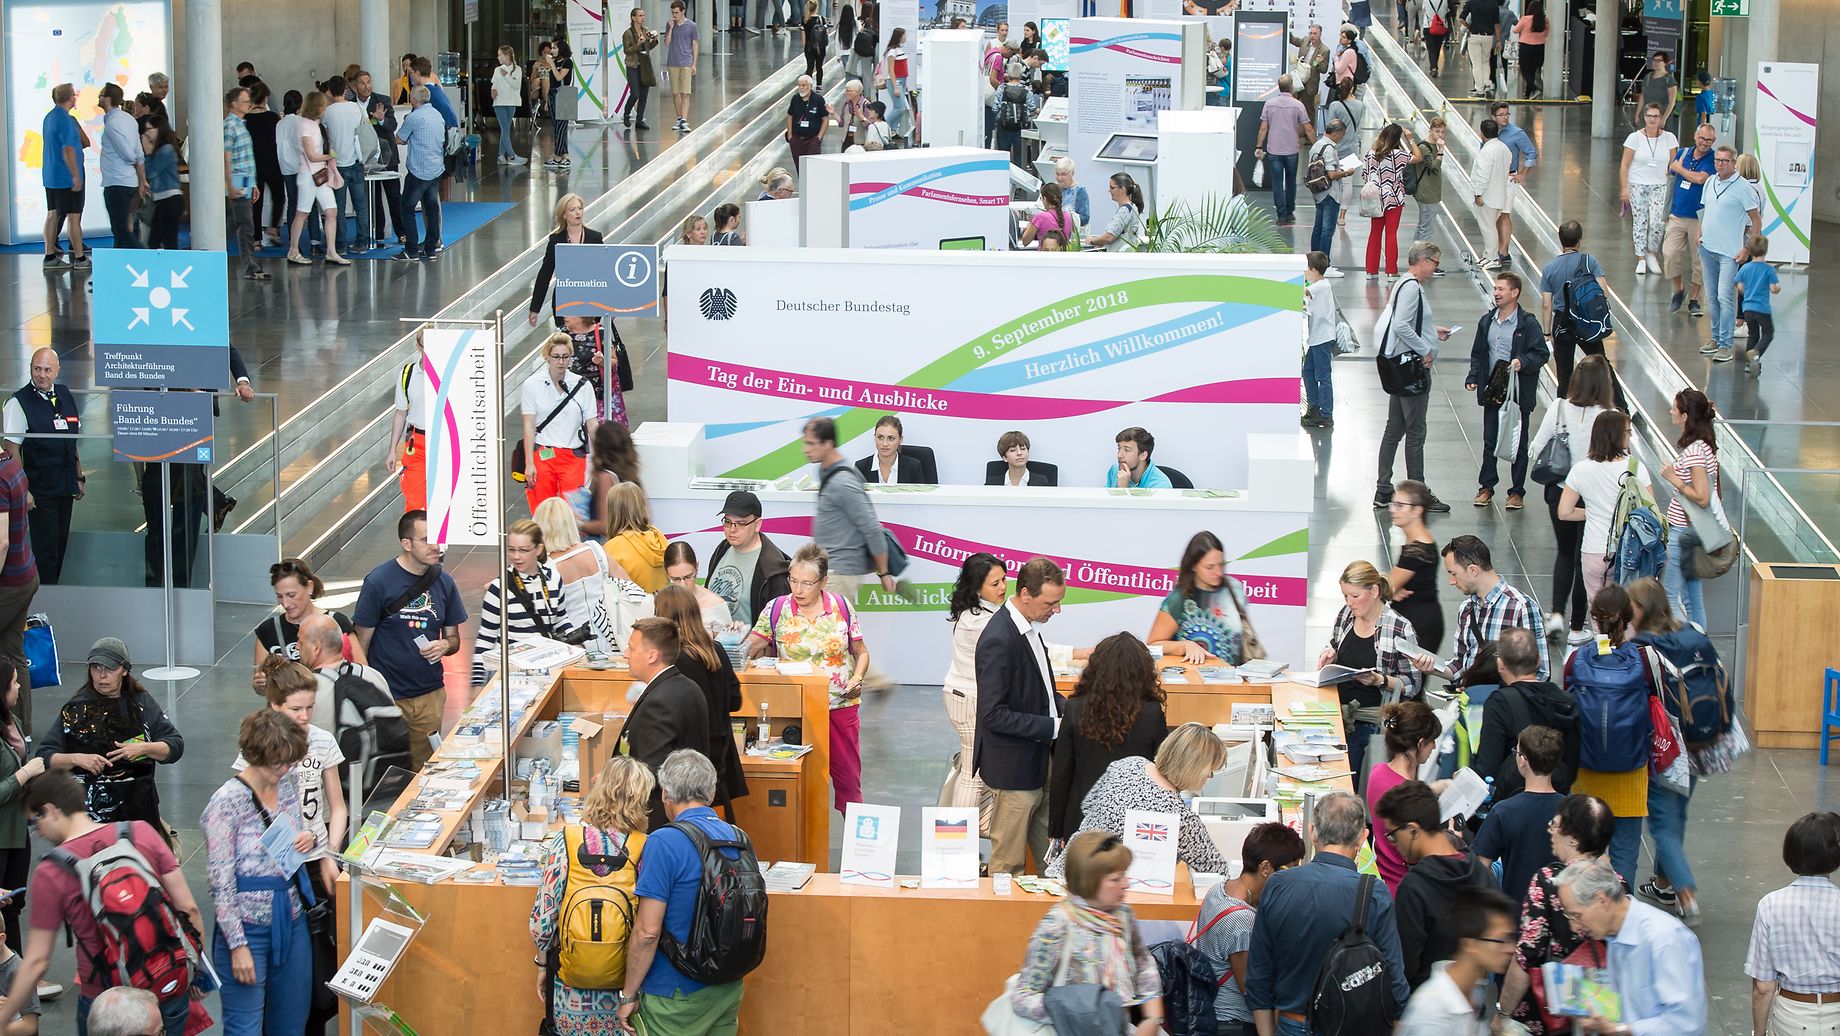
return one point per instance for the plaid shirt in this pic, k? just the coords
(1481, 619)
(242, 152)
(1795, 940)
(1392, 630)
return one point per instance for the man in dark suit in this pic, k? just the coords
(1018, 715)
(895, 464)
(671, 713)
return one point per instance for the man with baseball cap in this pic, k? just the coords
(747, 570)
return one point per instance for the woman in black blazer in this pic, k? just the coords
(708, 666)
(570, 230)
(1013, 466)
(1116, 711)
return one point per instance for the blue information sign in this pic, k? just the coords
(606, 280)
(161, 319)
(151, 427)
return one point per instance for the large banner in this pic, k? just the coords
(1120, 562)
(1201, 350)
(1784, 143)
(1122, 73)
(587, 39)
(936, 197)
(463, 413)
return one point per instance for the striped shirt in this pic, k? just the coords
(1795, 940)
(1481, 619)
(545, 616)
(1389, 172)
(1699, 455)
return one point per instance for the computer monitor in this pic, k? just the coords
(1129, 149)
(962, 244)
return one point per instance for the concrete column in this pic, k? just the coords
(374, 50)
(205, 83)
(1603, 69)
(421, 27)
(1559, 19)
(1762, 44)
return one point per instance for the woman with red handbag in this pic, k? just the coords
(1580, 830)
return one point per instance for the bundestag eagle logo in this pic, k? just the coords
(717, 304)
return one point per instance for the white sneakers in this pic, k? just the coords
(1334, 273)
(1642, 266)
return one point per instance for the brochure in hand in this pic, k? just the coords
(1576, 991)
(1330, 675)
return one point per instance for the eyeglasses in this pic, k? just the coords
(731, 523)
(1498, 942)
(1400, 505)
(804, 584)
(1572, 915)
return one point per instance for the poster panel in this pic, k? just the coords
(462, 414)
(1122, 71)
(587, 39)
(921, 198)
(162, 427)
(1068, 349)
(1783, 140)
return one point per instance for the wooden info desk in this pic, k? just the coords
(469, 970)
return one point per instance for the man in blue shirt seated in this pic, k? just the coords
(1134, 470)
(1520, 146)
(670, 879)
(1303, 910)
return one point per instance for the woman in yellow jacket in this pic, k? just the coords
(633, 542)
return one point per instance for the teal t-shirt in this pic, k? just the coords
(1755, 279)
(1153, 479)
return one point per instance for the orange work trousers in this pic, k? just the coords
(556, 471)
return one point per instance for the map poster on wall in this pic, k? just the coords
(87, 45)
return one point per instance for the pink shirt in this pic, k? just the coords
(1345, 63)
(1392, 865)
(1044, 221)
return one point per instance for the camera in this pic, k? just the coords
(576, 635)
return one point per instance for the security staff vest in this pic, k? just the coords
(51, 465)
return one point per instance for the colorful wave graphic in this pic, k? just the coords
(917, 186)
(1083, 44)
(441, 381)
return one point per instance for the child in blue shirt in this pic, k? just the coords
(1757, 281)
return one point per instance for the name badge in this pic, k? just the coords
(60, 424)
(804, 123)
(545, 453)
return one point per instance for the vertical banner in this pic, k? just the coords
(585, 26)
(462, 413)
(1783, 140)
(1261, 54)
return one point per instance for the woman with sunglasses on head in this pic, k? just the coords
(296, 587)
(1580, 830)
(1415, 575)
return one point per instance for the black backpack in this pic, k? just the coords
(1586, 309)
(1353, 994)
(1361, 71)
(728, 929)
(864, 44)
(1013, 109)
(1189, 987)
(352, 698)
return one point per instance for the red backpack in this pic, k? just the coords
(144, 942)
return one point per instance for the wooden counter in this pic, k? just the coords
(1794, 625)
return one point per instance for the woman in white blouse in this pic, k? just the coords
(316, 160)
(1646, 154)
(1590, 395)
(979, 593)
(580, 567)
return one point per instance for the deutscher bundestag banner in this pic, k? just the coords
(964, 346)
(461, 413)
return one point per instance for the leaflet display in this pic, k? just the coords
(1067, 349)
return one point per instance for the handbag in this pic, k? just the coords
(1708, 525)
(1404, 374)
(1667, 761)
(1495, 392)
(324, 175)
(1345, 341)
(1555, 460)
(1086, 1008)
(1371, 206)
(1721, 755)
(41, 650)
(1000, 1018)
(1508, 436)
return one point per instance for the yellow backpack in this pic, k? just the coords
(597, 912)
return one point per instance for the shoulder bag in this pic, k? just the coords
(1555, 460)
(518, 460)
(1000, 1017)
(1712, 547)
(416, 589)
(1404, 374)
(1508, 440)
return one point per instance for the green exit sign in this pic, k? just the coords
(1731, 8)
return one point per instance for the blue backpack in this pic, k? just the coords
(1699, 692)
(1638, 536)
(1614, 725)
(1586, 308)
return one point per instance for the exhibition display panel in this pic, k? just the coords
(1121, 73)
(912, 198)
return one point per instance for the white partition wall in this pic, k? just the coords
(1194, 158)
(1122, 72)
(1202, 350)
(949, 81)
(773, 223)
(1119, 550)
(932, 197)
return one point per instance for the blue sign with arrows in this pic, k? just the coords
(161, 319)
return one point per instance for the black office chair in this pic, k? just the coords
(929, 468)
(1040, 473)
(1177, 480)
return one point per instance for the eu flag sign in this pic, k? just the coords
(161, 319)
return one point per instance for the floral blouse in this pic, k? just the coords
(823, 641)
(1126, 785)
(233, 828)
(1546, 936)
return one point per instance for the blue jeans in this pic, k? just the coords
(1721, 286)
(358, 191)
(1282, 170)
(1318, 389)
(1667, 825)
(505, 114)
(1684, 592)
(1357, 749)
(1322, 236)
(427, 194)
(172, 1013)
(278, 1000)
(1626, 845)
(1288, 1027)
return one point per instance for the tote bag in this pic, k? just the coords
(1001, 1019)
(1507, 443)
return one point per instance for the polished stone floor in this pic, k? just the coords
(312, 324)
